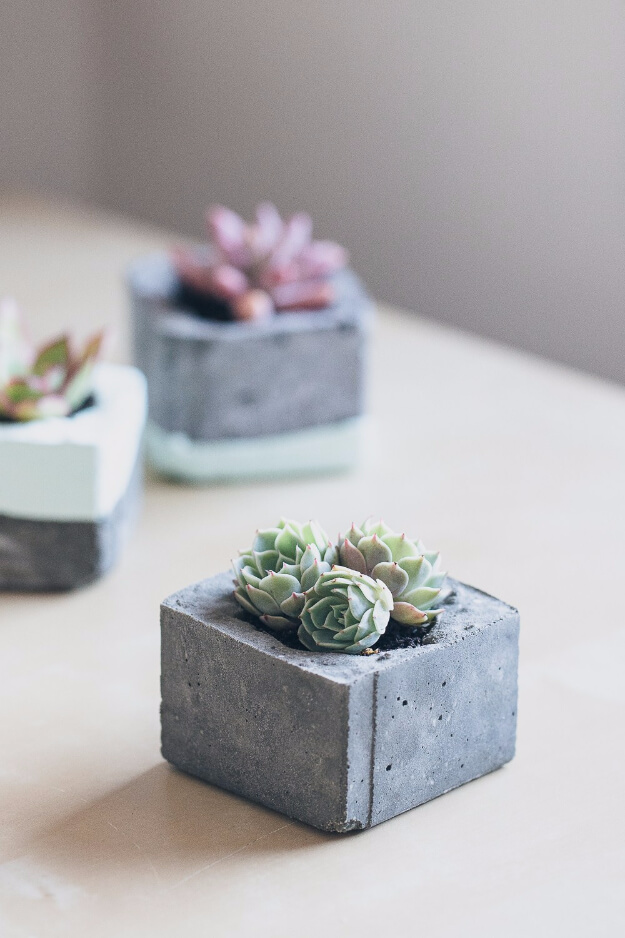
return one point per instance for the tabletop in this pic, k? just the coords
(514, 468)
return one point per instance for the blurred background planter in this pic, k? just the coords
(70, 486)
(249, 399)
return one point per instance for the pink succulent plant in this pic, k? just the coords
(263, 267)
(51, 381)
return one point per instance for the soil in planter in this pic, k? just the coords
(396, 636)
(90, 402)
(202, 304)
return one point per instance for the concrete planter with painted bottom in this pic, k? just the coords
(340, 742)
(70, 487)
(234, 400)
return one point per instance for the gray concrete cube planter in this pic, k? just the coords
(237, 400)
(69, 487)
(341, 742)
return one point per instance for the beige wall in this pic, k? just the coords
(49, 74)
(471, 155)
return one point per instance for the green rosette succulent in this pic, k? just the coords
(411, 573)
(345, 611)
(282, 564)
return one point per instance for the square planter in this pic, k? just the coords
(237, 400)
(69, 487)
(341, 742)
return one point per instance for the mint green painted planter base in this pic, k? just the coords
(330, 448)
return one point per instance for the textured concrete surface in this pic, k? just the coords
(63, 555)
(340, 742)
(213, 380)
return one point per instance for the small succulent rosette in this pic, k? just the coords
(342, 598)
(251, 271)
(70, 434)
(241, 339)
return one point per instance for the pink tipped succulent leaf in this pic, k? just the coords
(271, 257)
(53, 381)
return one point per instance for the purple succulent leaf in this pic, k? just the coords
(229, 233)
(228, 281)
(322, 258)
(302, 296)
(295, 236)
(351, 557)
(406, 614)
(269, 227)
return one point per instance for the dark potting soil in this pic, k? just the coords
(90, 401)
(396, 636)
(202, 304)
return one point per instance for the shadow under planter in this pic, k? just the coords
(70, 487)
(341, 742)
(240, 399)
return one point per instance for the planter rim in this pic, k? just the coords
(152, 277)
(453, 626)
(86, 459)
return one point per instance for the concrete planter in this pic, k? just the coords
(69, 487)
(340, 742)
(237, 400)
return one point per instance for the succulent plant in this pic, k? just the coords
(337, 598)
(344, 611)
(283, 562)
(263, 267)
(411, 572)
(51, 381)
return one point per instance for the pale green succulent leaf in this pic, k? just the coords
(247, 575)
(310, 556)
(266, 560)
(244, 601)
(349, 634)
(375, 551)
(312, 574)
(400, 546)
(418, 569)
(306, 639)
(395, 578)
(265, 540)
(422, 597)
(354, 535)
(280, 586)
(293, 605)
(375, 527)
(331, 555)
(263, 601)
(380, 615)
(358, 602)
(313, 533)
(278, 623)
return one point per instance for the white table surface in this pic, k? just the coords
(514, 468)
